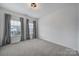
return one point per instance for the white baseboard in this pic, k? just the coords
(60, 44)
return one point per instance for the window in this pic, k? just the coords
(15, 31)
(15, 28)
(31, 29)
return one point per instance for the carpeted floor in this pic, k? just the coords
(36, 47)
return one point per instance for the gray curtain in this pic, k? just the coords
(7, 37)
(34, 30)
(27, 30)
(22, 28)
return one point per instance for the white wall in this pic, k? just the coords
(60, 27)
(14, 16)
(1, 26)
(78, 28)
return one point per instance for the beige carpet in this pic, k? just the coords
(36, 47)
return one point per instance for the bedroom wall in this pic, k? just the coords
(16, 16)
(78, 27)
(60, 27)
(1, 25)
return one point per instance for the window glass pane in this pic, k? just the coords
(15, 31)
(31, 29)
(15, 28)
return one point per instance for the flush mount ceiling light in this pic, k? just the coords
(33, 5)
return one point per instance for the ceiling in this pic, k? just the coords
(42, 9)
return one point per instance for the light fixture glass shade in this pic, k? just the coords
(33, 5)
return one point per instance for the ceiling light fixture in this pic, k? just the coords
(33, 5)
